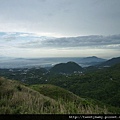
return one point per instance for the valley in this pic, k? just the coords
(67, 84)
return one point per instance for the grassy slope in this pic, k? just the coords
(56, 92)
(68, 97)
(16, 98)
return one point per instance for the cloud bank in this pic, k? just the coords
(33, 45)
(93, 41)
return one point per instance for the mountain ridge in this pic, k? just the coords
(111, 62)
(46, 62)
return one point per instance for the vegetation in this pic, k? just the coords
(99, 86)
(102, 85)
(17, 98)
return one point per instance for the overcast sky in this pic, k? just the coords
(23, 22)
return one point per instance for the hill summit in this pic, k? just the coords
(69, 67)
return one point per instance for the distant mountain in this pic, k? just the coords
(9, 62)
(69, 67)
(111, 62)
(93, 59)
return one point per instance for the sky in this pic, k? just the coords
(60, 28)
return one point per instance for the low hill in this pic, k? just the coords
(17, 98)
(69, 67)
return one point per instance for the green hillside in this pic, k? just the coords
(17, 98)
(69, 99)
(102, 85)
(69, 67)
(58, 93)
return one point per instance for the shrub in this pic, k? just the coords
(19, 88)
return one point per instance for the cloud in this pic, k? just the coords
(31, 40)
(7, 36)
(93, 41)
(33, 45)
